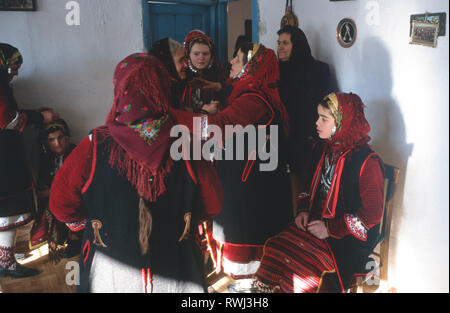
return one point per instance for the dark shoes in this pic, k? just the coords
(20, 272)
(73, 248)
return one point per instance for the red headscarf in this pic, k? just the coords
(261, 75)
(197, 36)
(139, 123)
(352, 126)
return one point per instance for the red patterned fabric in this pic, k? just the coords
(295, 261)
(140, 124)
(354, 127)
(261, 76)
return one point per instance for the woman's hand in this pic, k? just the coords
(302, 220)
(318, 229)
(211, 108)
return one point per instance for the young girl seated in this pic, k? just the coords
(339, 218)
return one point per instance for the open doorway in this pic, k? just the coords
(239, 23)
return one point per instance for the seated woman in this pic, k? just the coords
(256, 203)
(339, 218)
(203, 65)
(135, 201)
(56, 148)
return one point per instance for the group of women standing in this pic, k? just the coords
(148, 219)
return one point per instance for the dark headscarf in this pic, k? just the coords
(9, 56)
(296, 72)
(161, 50)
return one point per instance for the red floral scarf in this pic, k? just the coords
(140, 125)
(352, 125)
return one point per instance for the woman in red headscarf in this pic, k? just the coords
(134, 201)
(256, 203)
(338, 222)
(203, 64)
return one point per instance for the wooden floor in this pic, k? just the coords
(52, 278)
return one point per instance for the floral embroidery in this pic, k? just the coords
(127, 108)
(123, 65)
(149, 129)
(356, 227)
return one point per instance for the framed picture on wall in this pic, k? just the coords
(425, 34)
(435, 18)
(17, 5)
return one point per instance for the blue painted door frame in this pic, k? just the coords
(175, 18)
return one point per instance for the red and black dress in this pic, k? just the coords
(256, 203)
(16, 184)
(346, 193)
(132, 199)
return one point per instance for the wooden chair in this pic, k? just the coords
(392, 174)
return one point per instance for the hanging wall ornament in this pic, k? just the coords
(289, 17)
(346, 32)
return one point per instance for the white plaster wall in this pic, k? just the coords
(405, 89)
(70, 68)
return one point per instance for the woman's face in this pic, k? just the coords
(237, 64)
(57, 142)
(200, 56)
(325, 122)
(13, 71)
(179, 60)
(284, 47)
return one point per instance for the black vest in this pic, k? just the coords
(112, 200)
(16, 194)
(350, 253)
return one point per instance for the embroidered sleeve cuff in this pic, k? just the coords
(356, 227)
(76, 226)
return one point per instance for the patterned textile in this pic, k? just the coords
(352, 125)
(261, 74)
(356, 227)
(139, 123)
(9, 56)
(294, 261)
(7, 258)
